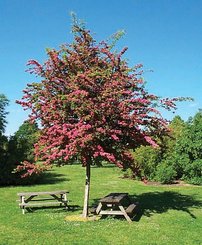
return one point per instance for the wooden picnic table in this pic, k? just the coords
(116, 204)
(42, 198)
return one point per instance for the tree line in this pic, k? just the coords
(16, 148)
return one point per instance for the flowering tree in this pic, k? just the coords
(90, 103)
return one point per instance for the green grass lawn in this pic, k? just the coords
(168, 215)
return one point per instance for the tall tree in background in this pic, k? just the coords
(3, 139)
(90, 102)
(3, 103)
(167, 143)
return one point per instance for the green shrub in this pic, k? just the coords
(131, 174)
(127, 173)
(146, 159)
(194, 181)
(165, 173)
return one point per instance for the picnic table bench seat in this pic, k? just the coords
(130, 210)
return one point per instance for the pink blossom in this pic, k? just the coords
(114, 137)
(150, 141)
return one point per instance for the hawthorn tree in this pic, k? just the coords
(92, 104)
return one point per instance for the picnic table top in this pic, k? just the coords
(114, 198)
(42, 193)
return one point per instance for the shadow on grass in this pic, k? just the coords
(50, 178)
(105, 165)
(161, 202)
(46, 178)
(56, 209)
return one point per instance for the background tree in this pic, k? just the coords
(189, 150)
(3, 139)
(25, 138)
(3, 103)
(160, 163)
(167, 169)
(15, 149)
(178, 155)
(168, 146)
(92, 104)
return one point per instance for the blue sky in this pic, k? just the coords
(163, 35)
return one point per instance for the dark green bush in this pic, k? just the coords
(193, 172)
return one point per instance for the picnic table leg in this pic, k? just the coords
(65, 200)
(98, 208)
(22, 200)
(125, 214)
(61, 198)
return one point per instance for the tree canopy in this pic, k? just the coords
(90, 102)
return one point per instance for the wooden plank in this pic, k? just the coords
(111, 212)
(41, 199)
(42, 193)
(30, 204)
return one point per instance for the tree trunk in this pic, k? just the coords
(87, 190)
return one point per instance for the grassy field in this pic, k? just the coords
(168, 215)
